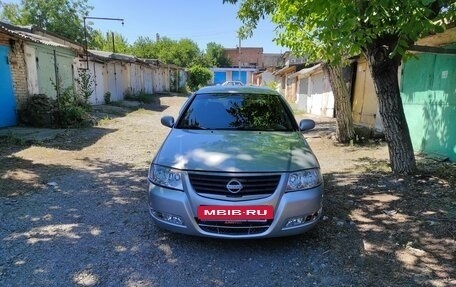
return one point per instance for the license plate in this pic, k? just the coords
(235, 213)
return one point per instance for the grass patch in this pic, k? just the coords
(371, 165)
(141, 96)
(12, 139)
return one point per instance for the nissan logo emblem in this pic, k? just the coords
(234, 186)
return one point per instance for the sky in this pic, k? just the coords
(202, 21)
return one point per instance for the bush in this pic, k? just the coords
(72, 110)
(107, 98)
(73, 116)
(39, 111)
(197, 77)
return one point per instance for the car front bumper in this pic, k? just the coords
(294, 213)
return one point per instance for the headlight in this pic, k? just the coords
(166, 177)
(304, 179)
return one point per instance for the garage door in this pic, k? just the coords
(7, 100)
(242, 78)
(219, 77)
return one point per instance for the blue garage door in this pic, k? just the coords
(219, 77)
(7, 100)
(243, 77)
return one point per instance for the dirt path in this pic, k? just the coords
(74, 213)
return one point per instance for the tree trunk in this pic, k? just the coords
(344, 131)
(384, 73)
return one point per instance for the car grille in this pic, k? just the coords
(252, 185)
(234, 228)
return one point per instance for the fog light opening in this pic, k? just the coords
(167, 217)
(300, 220)
(295, 221)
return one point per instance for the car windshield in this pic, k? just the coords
(237, 112)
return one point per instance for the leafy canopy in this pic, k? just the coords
(215, 55)
(183, 52)
(104, 42)
(63, 17)
(332, 30)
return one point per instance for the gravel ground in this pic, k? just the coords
(74, 213)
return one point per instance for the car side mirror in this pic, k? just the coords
(167, 121)
(306, 124)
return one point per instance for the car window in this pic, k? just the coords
(237, 112)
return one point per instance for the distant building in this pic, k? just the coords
(253, 57)
(221, 75)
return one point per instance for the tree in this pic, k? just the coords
(345, 131)
(197, 77)
(144, 47)
(215, 54)
(102, 42)
(9, 12)
(186, 53)
(252, 11)
(63, 17)
(380, 29)
(183, 53)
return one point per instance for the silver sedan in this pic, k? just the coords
(235, 165)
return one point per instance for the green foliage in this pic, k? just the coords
(144, 47)
(101, 42)
(10, 12)
(107, 98)
(197, 77)
(39, 111)
(183, 53)
(215, 55)
(72, 110)
(12, 139)
(334, 30)
(140, 96)
(85, 85)
(63, 17)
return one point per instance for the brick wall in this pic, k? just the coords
(18, 68)
(4, 39)
(250, 57)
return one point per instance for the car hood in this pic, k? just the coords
(236, 151)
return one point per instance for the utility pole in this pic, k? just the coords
(113, 45)
(85, 33)
(239, 75)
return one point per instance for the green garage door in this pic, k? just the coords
(429, 97)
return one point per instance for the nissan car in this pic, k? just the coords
(235, 164)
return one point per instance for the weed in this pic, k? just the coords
(107, 98)
(11, 139)
(85, 84)
(140, 96)
(104, 120)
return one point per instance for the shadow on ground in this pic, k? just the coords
(92, 228)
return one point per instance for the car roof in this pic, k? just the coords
(236, 89)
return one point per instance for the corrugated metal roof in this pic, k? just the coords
(25, 33)
(284, 70)
(113, 56)
(306, 71)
